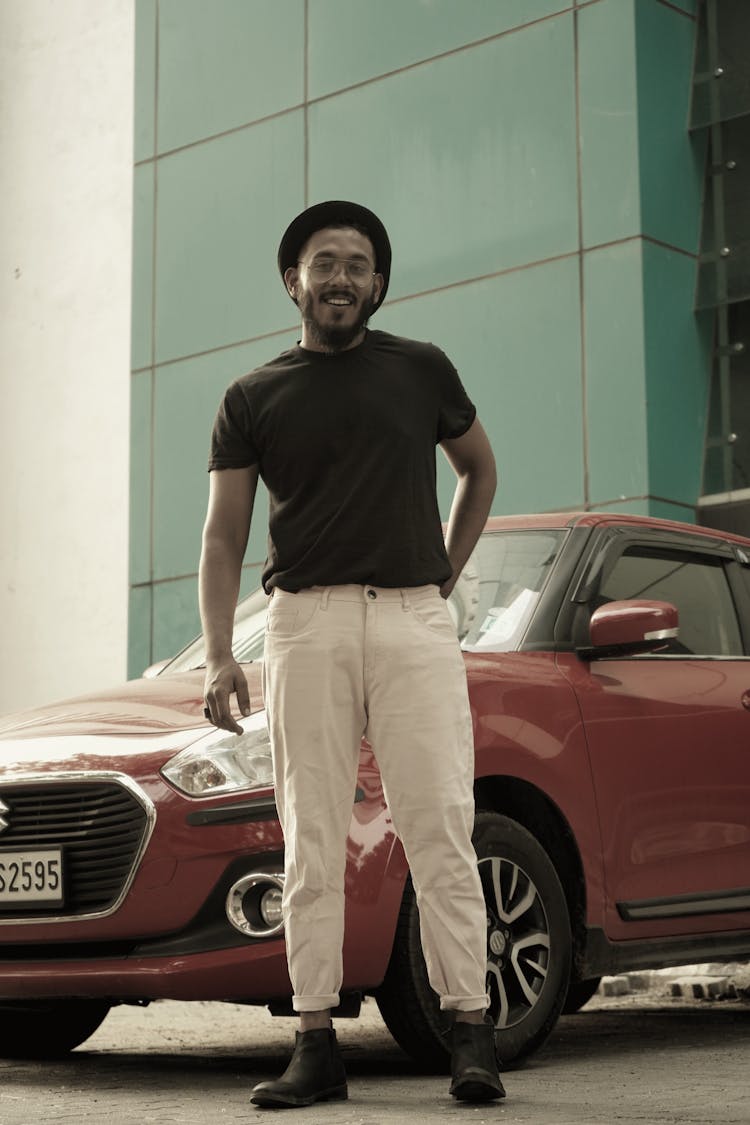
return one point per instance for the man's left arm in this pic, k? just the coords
(472, 460)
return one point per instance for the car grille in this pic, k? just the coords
(100, 827)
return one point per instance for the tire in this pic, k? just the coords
(42, 1029)
(528, 952)
(579, 993)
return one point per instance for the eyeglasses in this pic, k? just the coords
(323, 269)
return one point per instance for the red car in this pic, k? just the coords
(141, 857)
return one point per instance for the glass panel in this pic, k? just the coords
(701, 94)
(713, 471)
(724, 266)
(501, 586)
(727, 459)
(697, 586)
(727, 278)
(718, 99)
(739, 391)
(734, 517)
(726, 282)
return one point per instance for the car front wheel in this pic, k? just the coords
(39, 1029)
(528, 952)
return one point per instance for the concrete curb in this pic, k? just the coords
(698, 982)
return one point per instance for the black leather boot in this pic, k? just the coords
(315, 1073)
(474, 1063)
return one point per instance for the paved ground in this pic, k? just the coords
(624, 1060)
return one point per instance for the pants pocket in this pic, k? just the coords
(435, 617)
(289, 618)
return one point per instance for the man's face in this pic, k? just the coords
(335, 308)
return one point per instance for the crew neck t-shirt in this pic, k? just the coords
(345, 444)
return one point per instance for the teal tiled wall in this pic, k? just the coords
(141, 476)
(526, 383)
(214, 203)
(531, 162)
(142, 306)
(473, 164)
(145, 79)
(186, 398)
(608, 124)
(670, 170)
(351, 41)
(678, 359)
(226, 63)
(615, 373)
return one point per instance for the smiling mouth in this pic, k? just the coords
(338, 300)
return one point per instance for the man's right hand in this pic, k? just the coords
(222, 681)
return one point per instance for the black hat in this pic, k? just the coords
(336, 211)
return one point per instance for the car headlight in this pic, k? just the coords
(237, 761)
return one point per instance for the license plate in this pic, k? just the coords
(31, 878)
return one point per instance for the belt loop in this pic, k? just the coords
(324, 597)
(404, 600)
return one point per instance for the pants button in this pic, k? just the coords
(371, 594)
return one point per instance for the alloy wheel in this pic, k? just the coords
(518, 940)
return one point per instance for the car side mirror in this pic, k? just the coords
(628, 628)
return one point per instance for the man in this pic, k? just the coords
(343, 429)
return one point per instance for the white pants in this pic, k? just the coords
(346, 661)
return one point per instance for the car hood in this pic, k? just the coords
(147, 716)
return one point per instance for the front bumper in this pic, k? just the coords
(256, 973)
(171, 937)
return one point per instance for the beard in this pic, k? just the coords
(334, 337)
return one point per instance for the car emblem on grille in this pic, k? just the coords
(3, 822)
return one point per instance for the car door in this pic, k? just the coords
(668, 736)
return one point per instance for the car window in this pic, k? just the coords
(491, 604)
(504, 580)
(696, 584)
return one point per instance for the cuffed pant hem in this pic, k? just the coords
(315, 1003)
(464, 1003)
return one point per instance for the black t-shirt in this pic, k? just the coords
(345, 443)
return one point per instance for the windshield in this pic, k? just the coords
(491, 604)
(249, 635)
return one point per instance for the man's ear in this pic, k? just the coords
(378, 286)
(291, 280)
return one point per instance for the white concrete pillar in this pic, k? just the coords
(66, 128)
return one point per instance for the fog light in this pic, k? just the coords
(253, 904)
(270, 907)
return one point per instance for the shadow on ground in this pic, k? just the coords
(596, 1036)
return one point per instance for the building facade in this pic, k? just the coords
(536, 167)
